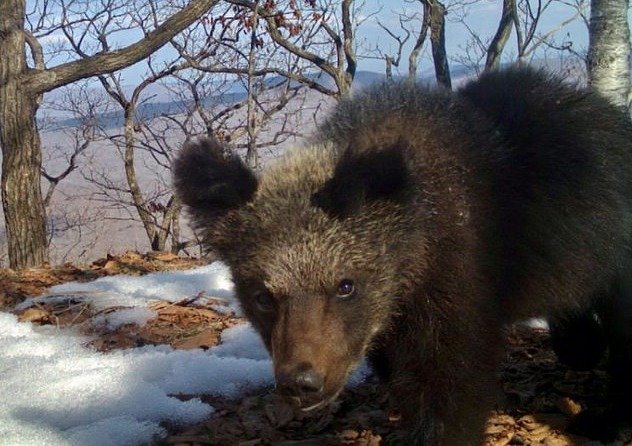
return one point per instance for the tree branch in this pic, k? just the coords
(40, 81)
(36, 50)
(341, 77)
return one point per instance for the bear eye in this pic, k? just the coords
(263, 300)
(345, 288)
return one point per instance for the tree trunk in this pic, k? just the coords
(252, 157)
(419, 43)
(22, 202)
(609, 50)
(20, 88)
(499, 41)
(175, 226)
(437, 39)
(130, 174)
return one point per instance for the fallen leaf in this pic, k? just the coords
(34, 315)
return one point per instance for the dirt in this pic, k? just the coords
(538, 396)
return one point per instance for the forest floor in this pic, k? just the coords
(536, 400)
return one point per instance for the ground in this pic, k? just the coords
(538, 395)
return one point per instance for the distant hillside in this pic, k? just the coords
(160, 97)
(161, 101)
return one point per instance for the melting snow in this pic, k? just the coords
(55, 391)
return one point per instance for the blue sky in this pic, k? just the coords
(481, 16)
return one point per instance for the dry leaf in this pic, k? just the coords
(34, 315)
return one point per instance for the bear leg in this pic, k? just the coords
(446, 384)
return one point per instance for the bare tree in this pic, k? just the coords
(436, 12)
(318, 34)
(413, 57)
(210, 59)
(251, 124)
(393, 59)
(508, 18)
(21, 86)
(81, 106)
(272, 77)
(68, 123)
(523, 19)
(157, 229)
(609, 50)
(431, 21)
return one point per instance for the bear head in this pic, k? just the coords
(310, 245)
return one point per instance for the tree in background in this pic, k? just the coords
(200, 87)
(426, 20)
(22, 84)
(80, 104)
(320, 33)
(430, 21)
(274, 50)
(524, 20)
(609, 50)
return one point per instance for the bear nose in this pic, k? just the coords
(308, 381)
(300, 382)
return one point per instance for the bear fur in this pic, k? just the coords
(414, 226)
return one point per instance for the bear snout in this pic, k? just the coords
(303, 382)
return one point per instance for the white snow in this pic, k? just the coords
(124, 316)
(214, 280)
(56, 391)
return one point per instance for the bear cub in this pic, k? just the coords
(415, 225)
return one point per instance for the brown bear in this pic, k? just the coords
(414, 226)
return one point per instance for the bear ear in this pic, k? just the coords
(359, 178)
(210, 182)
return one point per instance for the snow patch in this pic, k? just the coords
(57, 391)
(135, 315)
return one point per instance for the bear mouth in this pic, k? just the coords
(320, 404)
(311, 403)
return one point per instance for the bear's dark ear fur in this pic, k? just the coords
(208, 181)
(363, 177)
